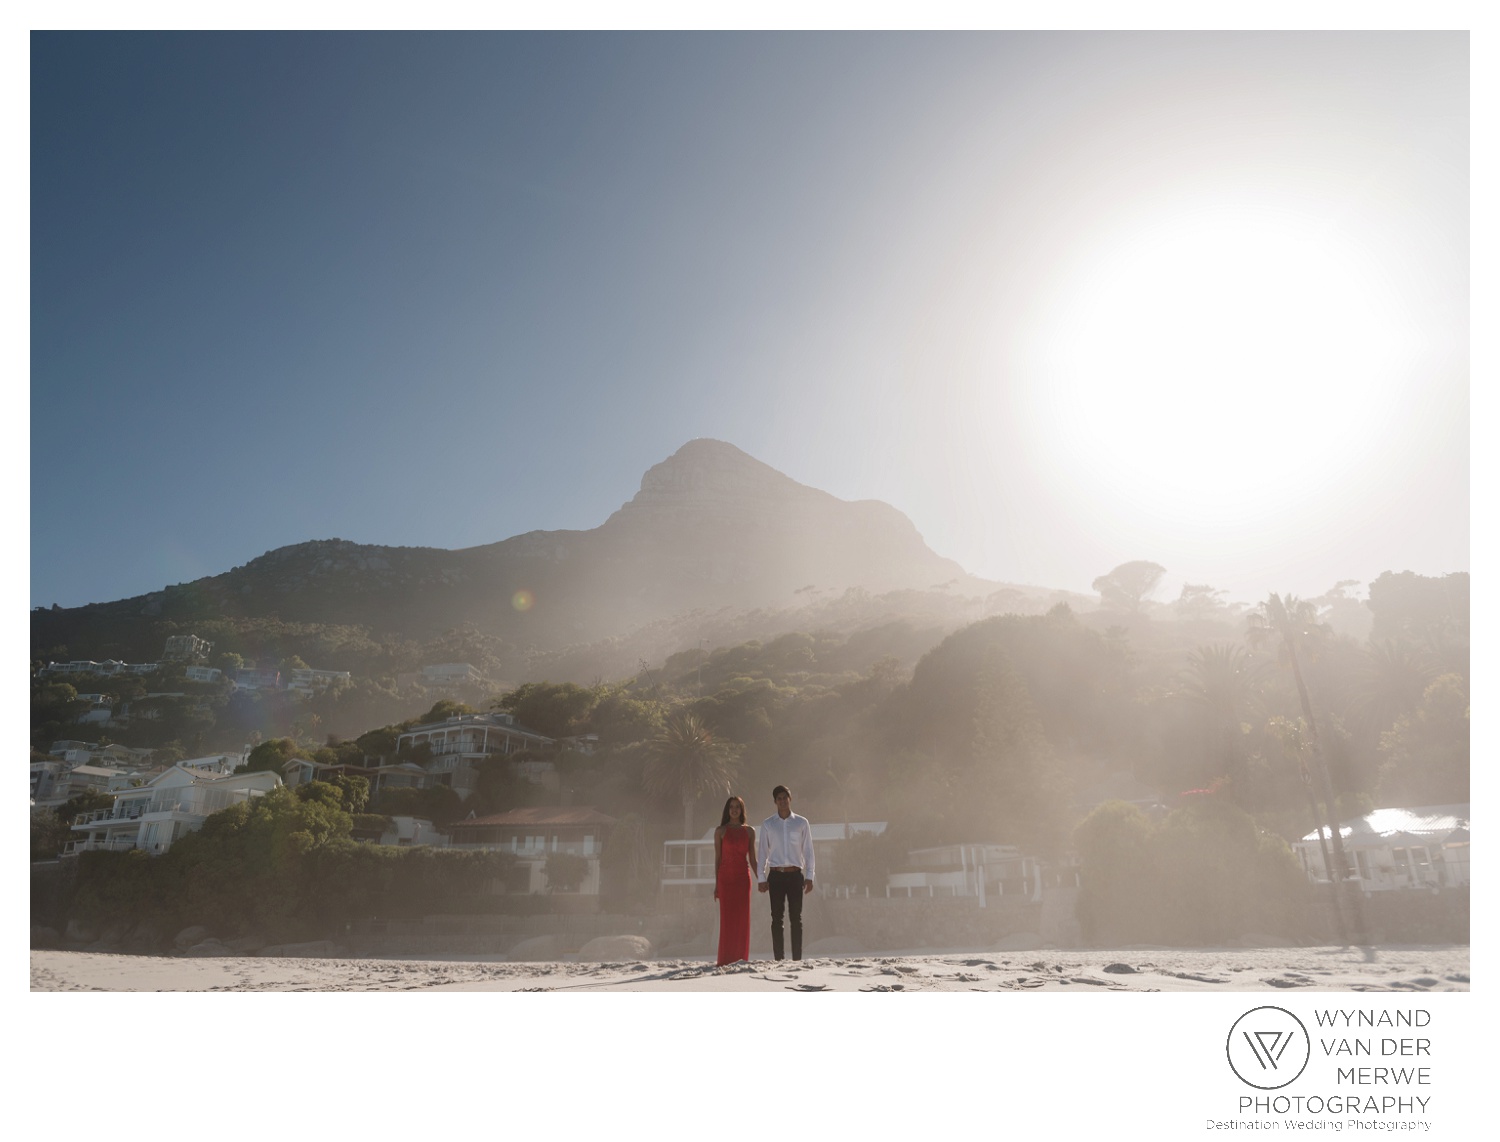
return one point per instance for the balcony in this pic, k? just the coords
(118, 845)
(129, 811)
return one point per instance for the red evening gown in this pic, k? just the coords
(735, 887)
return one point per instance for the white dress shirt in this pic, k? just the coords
(786, 842)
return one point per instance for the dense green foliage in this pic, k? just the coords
(1205, 875)
(281, 866)
(1011, 729)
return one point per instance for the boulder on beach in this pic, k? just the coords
(612, 949)
(186, 938)
(145, 937)
(537, 948)
(245, 945)
(209, 947)
(81, 932)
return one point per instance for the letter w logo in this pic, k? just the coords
(1268, 1046)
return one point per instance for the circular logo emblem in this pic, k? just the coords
(1268, 1047)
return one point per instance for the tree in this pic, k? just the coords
(1219, 679)
(1293, 625)
(1426, 753)
(687, 761)
(349, 794)
(555, 709)
(627, 864)
(86, 802)
(1425, 609)
(1390, 682)
(1124, 588)
(1198, 601)
(565, 871)
(49, 833)
(1014, 788)
(271, 755)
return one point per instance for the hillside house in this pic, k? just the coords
(458, 744)
(106, 669)
(1394, 849)
(533, 835)
(169, 806)
(308, 683)
(186, 648)
(978, 870)
(253, 678)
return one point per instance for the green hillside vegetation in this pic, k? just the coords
(1011, 729)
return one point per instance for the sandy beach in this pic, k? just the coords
(1410, 969)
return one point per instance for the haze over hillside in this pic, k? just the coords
(711, 528)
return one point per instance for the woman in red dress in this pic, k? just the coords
(734, 880)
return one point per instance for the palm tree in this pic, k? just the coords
(685, 759)
(1293, 624)
(1221, 679)
(1391, 682)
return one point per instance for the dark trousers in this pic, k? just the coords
(786, 896)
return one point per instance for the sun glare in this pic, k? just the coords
(1210, 363)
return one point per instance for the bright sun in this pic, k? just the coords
(1208, 364)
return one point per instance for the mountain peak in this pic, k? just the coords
(710, 478)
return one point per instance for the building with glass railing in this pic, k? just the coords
(176, 802)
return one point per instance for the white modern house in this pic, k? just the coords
(307, 683)
(176, 802)
(106, 669)
(1426, 847)
(459, 743)
(978, 870)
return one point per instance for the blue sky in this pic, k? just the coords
(440, 289)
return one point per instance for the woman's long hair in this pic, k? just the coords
(724, 820)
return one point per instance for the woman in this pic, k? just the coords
(734, 879)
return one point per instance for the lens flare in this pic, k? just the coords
(523, 600)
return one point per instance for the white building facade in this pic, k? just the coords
(171, 805)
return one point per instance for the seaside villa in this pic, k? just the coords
(169, 806)
(1388, 849)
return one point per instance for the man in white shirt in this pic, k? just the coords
(786, 867)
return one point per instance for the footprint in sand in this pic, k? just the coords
(809, 987)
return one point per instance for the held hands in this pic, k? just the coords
(764, 887)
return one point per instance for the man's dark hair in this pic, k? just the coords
(779, 790)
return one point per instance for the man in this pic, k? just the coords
(786, 867)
